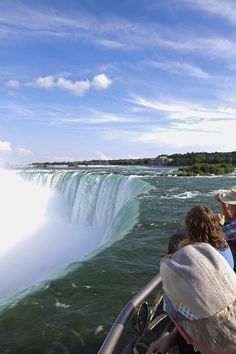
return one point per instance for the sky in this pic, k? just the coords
(110, 79)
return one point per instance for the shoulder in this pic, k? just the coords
(228, 256)
(230, 229)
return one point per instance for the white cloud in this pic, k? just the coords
(183, 126)
(183, 111)
(5, 146)
(225, 9)
(102, 156)
(13, 84)
(202, 136)
(96, 117)
(105, 117)
(181, 68)
(112, 44)
(77, 88)
(47, 82)
(101, 82)
(23, 152)
(212, 47)
(213, 135)
(22, 21)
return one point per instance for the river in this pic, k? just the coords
(76, 245)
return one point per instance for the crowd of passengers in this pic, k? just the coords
(199, 282)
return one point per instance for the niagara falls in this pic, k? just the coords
(77, 243)
(51, 220)
(116, 119)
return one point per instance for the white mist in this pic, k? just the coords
(37, 238)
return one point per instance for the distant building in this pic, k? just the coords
(162, 160)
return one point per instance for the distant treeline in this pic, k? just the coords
(187, 159)
(202, 157)
(144, 161)
(206, 169)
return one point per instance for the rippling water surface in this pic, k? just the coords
(107, 238)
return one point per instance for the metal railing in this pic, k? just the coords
(116, 331)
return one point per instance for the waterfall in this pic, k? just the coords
(96, 199)
(81, 213)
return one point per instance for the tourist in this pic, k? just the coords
(200, 298)
(174, 338)
(175, 240)
(228, 206)
(201, 225)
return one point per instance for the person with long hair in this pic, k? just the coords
(202, 225)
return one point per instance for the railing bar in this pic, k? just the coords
(115, 332)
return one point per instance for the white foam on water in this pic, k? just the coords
(184, 195)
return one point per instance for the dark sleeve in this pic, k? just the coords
(184, 347)
(232, 246)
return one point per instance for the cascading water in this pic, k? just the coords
(72, 216)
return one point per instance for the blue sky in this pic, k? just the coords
(116, 79)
